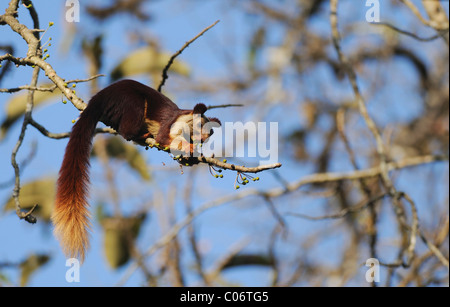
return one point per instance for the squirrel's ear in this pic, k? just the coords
(213, 119)
(200, 108)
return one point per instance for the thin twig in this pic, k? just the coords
(416, 12)
(363, 205)
(35, 59)
(196, 159)
(191, 229)
(172, 58)
(221, 263)
(435, 250)
(380, 147)
(64, 135)
(239, 168)
(358, 96)
(33, 50)
(46, 89)
(372, 227)
(415, 36)
(277, 215)
(414, 229)
(25, 162)
(16, 191)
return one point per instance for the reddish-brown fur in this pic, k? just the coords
(125, 106)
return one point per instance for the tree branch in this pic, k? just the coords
(172, 58)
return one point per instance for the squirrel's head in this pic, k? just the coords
(203, 125)
(193, 126)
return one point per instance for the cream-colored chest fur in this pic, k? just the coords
(152, 127)
(182, 124)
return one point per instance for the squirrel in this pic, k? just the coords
(137, 112)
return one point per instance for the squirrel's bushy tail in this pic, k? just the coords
(71, 218)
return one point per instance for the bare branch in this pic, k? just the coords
(415, 36)
(225, 106)
(16, 191)
(358, 96)
(172, 58)
(275, 192)
(435, 250)
(438, 20)
(46, 89)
